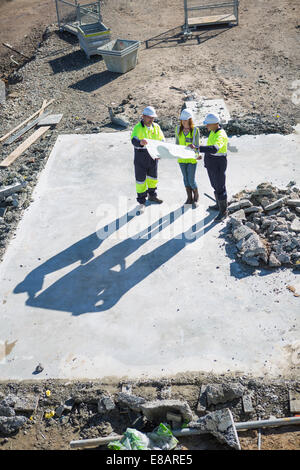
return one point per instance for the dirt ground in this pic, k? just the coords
(254, 67)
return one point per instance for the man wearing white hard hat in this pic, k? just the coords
(187, 134)
(144, 165)
(215, 161)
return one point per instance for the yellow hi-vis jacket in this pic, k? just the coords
(216, 144)
(140, 132)
(190, 138)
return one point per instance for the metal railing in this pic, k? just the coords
(71, 14)
(234, 5)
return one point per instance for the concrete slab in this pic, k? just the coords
(50, 120)
(204, 106)
(90, 290)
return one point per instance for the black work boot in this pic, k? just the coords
(195, 196)
(189, 193)
(154, 198)
(223, 213)
(215, 207)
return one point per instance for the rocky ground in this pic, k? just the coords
(49, 414)
(254, 67)
(265, 224)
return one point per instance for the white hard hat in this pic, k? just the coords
(211, 119)
(150, 111)
(185, 115)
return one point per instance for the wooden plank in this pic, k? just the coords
(24, 146)
(18, 52)
(22, 131)
(214, 19)
(43, 107)
(24, 122)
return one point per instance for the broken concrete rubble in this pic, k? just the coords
(11, 424)
(8, 190)
(105, 404)
(266, 233)
(156, 411)
(221, 425)
(213, 394)
(130, 401)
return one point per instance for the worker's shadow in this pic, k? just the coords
(99, 283)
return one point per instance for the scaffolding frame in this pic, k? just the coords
(190, 23)
(77, 14)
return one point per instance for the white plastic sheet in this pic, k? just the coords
(159, 149)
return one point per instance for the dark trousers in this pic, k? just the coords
(216, 169)
(145, 169)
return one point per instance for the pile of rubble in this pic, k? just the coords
(264, 224)
(100, 413)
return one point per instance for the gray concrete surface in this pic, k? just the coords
(203, 106)
(89, 290)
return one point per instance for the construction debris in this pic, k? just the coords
(11, 424)
(22, 131)
(24, 146)
(130, 401)
(15, 50)
(156, 411)
(106, 404)
(89, 407)
(221, 425)
(50, 120)
(26, 120)
(267, 423)
(39, 368)
(8, 190)
(265, 226)
(115, 120)
(222, 393)
(294, 399)
(247, 404)
(159, 439)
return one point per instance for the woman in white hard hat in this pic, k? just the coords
(145, 167)
(215, 161)
(187, 134)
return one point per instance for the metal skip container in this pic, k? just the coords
(92, 36)
(120, 55)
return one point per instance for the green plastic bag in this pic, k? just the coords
(132, 440)
(116, 445)
(161, 438)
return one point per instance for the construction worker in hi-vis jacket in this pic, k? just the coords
(186, 133)
(144, 165)
(215, 161)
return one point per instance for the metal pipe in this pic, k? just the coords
(266, 423)
(259, 436)
(67, 3)
(57, 13)
(99, 441)
(207, 7)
